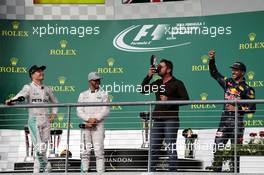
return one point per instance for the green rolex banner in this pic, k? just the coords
(120, 51)
(69, 1)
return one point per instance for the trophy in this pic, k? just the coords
(189, 142)
(145, 132)
(55, 137)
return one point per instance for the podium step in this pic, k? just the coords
(115, 160)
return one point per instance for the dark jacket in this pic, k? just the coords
(174, 90)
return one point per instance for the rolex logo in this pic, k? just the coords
(111, 97)
(15, 25)
(62, 87)
(201, 67)
(250, 75)
(250, 116)
(59, 122)
(62, 51)
(252, 82)
(60, 117)
(62, 80)
(252, 44)
(203, 96)
(251, 37)
(110, 69)
(110, 62)
(13, 68)
(115, 108)
(14, 31)
(13, 61)
(63, 44)
(205, 59)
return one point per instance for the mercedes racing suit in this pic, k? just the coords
(232, 90)
(93, 137)
(38, 121)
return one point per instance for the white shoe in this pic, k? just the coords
(48, 168)
(36, 167)
(36, 170)
(84, 165)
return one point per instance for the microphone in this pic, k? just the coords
(19, 99)
(82, 126)
(42, 87)
(144, 115)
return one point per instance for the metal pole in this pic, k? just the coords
(27, 143)
(150, 139)
(139, 103)
(68, 138)
(236, 132)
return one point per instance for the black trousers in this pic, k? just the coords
(225, 132)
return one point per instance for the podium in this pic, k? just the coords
(116, 160)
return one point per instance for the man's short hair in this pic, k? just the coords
(168, 64)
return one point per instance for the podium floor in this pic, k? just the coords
(116, 160)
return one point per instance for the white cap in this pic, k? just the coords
(93, 76)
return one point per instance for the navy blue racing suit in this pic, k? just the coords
(232, 90)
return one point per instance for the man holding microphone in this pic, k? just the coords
(39, 118)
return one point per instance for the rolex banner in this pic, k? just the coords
(120, 51)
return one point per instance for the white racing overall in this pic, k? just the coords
(93, 137)
(38, 121)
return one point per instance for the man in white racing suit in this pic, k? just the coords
(39, 118)
(92, 132)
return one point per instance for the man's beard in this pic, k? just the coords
(236, 77)
(160, 74)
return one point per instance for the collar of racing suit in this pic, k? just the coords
(95, 91)
(243, 80)
(37, 85)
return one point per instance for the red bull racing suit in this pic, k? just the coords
(232, 90)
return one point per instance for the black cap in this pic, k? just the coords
(239, 66)
(35, 68)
